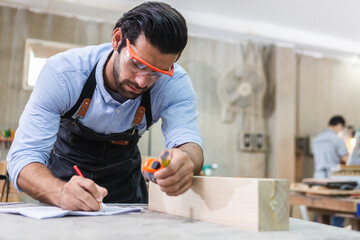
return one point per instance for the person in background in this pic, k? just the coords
(329, 148)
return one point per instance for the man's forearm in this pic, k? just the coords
(195, 154)
(37, 181)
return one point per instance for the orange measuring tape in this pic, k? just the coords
(152, 165)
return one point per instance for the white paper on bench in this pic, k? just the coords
(43, 212)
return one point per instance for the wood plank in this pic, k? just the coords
(251, 204)
(282, 130)
(348, 167)
(327, 203)
(301, 187)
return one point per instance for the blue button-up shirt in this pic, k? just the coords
(328, 148)
(58, 88)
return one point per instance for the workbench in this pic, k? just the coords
(326, 206)
(151, 225)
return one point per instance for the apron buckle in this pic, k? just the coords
(74, 121)
(133, 131)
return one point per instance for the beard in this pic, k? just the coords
(121, 83)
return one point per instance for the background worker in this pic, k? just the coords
(90, 106)
(329, 148)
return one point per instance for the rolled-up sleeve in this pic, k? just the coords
(39, 123)
(179, 118)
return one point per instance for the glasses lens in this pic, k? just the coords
(139, 68)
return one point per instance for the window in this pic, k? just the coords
(36, 54)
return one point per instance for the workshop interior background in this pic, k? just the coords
(296, 95)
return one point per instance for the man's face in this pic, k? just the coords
(339, 129)
(130, 79)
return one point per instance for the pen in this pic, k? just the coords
(78, 171)
(81, 175)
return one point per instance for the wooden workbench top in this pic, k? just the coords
(151, 225)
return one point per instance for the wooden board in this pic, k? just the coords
(325, 202)
(344, 170)
(301, 187)
(348, 167)
(251, 204)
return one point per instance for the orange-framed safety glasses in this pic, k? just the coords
(133, 55)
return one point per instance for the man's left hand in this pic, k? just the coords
(177, 177)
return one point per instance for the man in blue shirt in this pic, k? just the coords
(90, 106)
(329, 149)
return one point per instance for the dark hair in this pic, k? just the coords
(337, 120)
(162, 25)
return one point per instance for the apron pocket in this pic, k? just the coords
(118, 179)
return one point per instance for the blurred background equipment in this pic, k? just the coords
(354, 158)
(241, 92)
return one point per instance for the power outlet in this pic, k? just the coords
(259, 142)
(246, 142)
(252, 142)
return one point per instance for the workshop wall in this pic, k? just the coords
(19, 24)
(204, 59)
(326, 87)
(16, 25)
(207, 61)
(303, 92)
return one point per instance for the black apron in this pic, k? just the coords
(112, 161)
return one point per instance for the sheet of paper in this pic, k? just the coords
(43, 212)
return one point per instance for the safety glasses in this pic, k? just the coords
(137, 64)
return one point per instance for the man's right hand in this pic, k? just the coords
(81, 194)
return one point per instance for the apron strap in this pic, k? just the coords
(86, 93)
(145, 102)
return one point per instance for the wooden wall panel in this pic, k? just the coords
(327, 87)
(282, 123)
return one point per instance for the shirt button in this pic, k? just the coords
(113, 101)
(118, 111)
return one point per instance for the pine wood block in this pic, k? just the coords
(252, 204)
